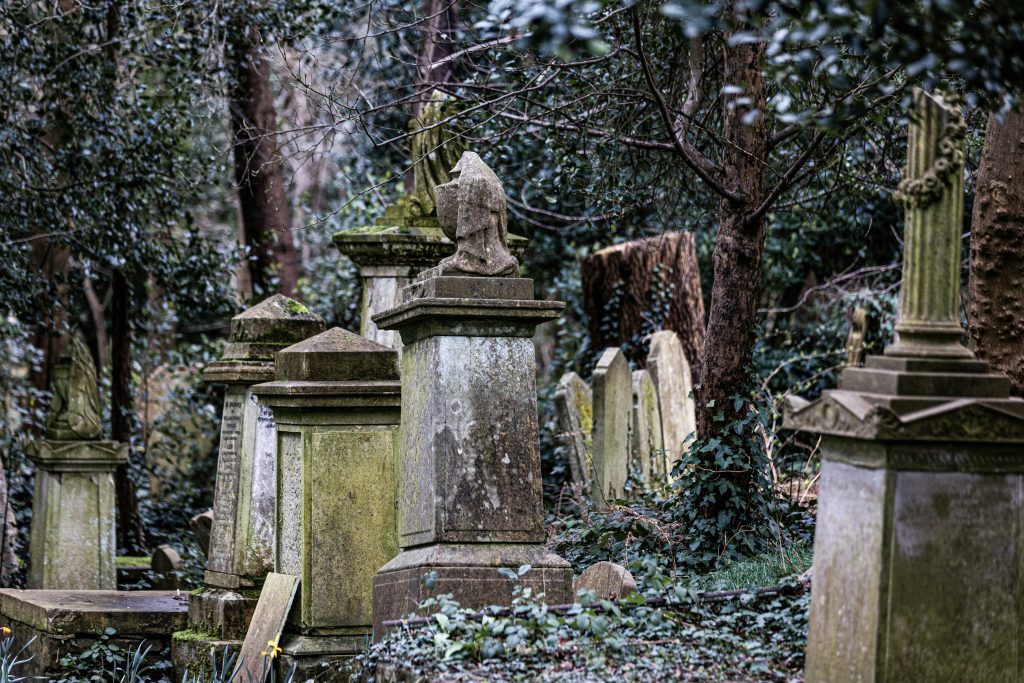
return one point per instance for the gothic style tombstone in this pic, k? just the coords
(336, 401)
(670, 371)
(613, 409)
(917, 557)
(469, 483)
(646, 441)
(241, 538)
(574, 404)
(72, 544)
(408, 238)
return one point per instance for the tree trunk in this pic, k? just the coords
(635, 288)
(130, 533)
(259, 170)
(440, 20)
(997, 233)
(739, 247)
(51, 261)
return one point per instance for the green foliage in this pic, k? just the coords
(11, 660)
(666, 634)
(105, 660)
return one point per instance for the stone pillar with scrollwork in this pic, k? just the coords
(918, 557)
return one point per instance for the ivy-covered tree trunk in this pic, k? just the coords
(130, 533)
(433, 64)
(997, 233)
(739, 248)
(259, 170)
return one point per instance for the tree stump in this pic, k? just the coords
(635, 288)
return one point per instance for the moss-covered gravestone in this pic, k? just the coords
(408, 238)
(673, 379)
(918, 554)
(574, 403)
(241, 539)
(336, 401)
(73, 544)
(613, 410)
(469, 483)
(646, 442)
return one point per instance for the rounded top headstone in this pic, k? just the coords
(609, 580)
(337, 355)
(257, 334)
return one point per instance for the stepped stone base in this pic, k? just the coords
(65, 622)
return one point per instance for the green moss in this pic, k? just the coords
(192, 634)
(127, 561)
(296, 308)
(197, 591)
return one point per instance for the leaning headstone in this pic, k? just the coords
(670, 371)
(613, 409)
(167, 568)
(72, 544)
(202, 526)
(262, 640)
(336, 400)
(917, 553)
(646, 441)
(242, 535)
(469, 487)
(408, 238)
(574, 405)
(609, 580)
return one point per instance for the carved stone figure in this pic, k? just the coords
(436, 148)
(857, 336)
(75, 411)
(471, 211)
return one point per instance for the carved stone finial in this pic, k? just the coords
(932, 192)
(436, 148)
(471, 212)
(75, 411)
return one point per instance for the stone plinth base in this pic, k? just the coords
(217, 618)
(470, 573)
(67, 621)
(323, 658)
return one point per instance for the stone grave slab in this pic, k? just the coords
(613, 406)
(646, 442)
(264, 634)
(609, 580)
(670, 371)
(574, 403)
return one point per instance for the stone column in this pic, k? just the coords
(73, 545)
(469, 483)
(918, 559)
(241, 539)
(336, 400)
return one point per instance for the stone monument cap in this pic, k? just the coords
(257, 334)
(337, 355)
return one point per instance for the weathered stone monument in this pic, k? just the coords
(918, 556)
(241, 539)
(574, 404)
(336, 401)
(469, 483)
(856, 338)
(408, 238)
(646, 440)
(613, 410)
(670, 371)
(72, 543)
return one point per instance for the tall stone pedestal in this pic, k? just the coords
(469, 483)
(336, 401)
(389, 256)
(918, 558)
(73, 545)
(241, 539)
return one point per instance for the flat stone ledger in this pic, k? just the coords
(336, 401)
(918, 567)
(390, 255)
(469, 483)
(73, 544)
(56, 623)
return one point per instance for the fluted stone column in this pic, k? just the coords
(918, 559)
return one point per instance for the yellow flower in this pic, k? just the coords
(272, 649)
(5, 631)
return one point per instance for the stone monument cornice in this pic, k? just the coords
(435, 316)
(80, 456)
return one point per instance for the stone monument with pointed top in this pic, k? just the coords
(242, 533)
(336, 400)
(408, 238)
(917, 563)
(469, 481)
(72, 544)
